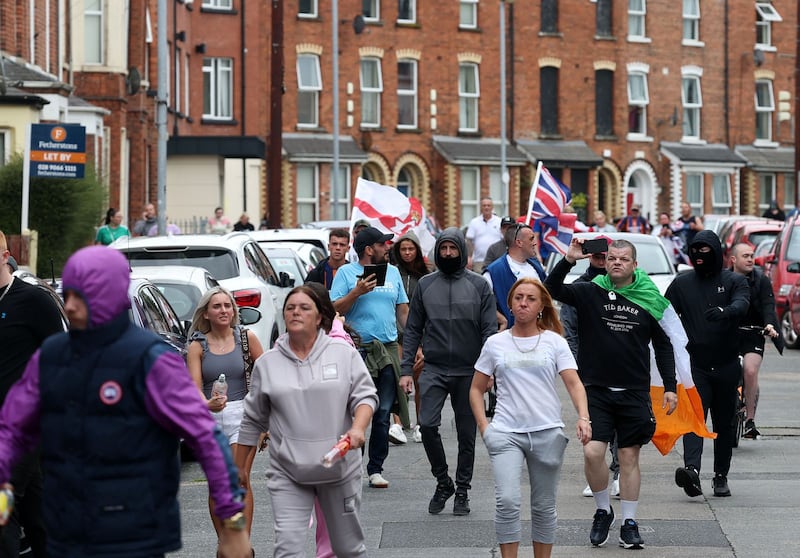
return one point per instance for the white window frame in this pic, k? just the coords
(468, 100)
(94, 15)
(5, 147)
(371, 93)
(218, 4)
(342, 208)
(468, 10)
(312, 13)
(220, 73)
(643, 103)
(412, 94)
(497, 191)
(721, 204)
(186, 82)
(404, 181)
(374, 8)
(470, 203)
(313, 200)
(764, 113)
(766, 14)
(412, 8)
(691, 22)
(177, 75)
(695, 199)
(766, 181)
(692, 109)
(310, 89)
(637, 16)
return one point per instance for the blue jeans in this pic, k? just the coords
(386, 383)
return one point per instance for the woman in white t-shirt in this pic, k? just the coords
(525, 362)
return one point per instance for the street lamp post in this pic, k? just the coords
(504, 176)
(335, 46)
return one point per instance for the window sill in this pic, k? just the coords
(691, 140)
(692, 43)
(407, 24)
(308, 17)
(309, 128)
(636, 39)
(218, 121)
(606, 137)
(469, 134)
(223, 11)
(555, 34)
(766, 48)
(408, 130)
(765, 143)
(470, 29)
(366, 128)
(550, 136)
(642, 138)
(605, 38)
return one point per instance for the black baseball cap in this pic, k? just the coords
(507, 221)
(368, 237)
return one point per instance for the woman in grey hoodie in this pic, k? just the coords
(309, 392)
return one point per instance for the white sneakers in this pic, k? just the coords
(417, 435)
(396, 434)
(613, 489)
(376, 480)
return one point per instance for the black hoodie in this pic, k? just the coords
(450, 316)
(713, 341)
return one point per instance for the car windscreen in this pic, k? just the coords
(219, 262)
(183, 298)
(755, 238)
(793, 250)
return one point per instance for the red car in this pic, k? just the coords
(784, 277)
(751, 230)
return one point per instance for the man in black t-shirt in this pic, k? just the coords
(27, 317)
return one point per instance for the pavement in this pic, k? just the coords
(754, 523)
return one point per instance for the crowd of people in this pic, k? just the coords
(477, 314)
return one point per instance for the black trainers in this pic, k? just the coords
(750, 430)
(461, 503)
(629, 535)
(689, 479)
(602, 522)
(721, 486)
(442, 494)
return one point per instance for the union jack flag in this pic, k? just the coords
(547, 200)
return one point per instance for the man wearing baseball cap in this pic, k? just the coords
(374, 310)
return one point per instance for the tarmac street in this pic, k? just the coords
(759, 520)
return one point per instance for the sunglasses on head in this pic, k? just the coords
(518, 228)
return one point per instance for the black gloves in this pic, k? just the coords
(715, 314)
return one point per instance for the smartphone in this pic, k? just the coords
(594, 246)
(379, 270)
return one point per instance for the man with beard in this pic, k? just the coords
(452, 314)
(373, 311)
(710, 301)
(338, 241)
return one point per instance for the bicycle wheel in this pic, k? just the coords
(738, 418)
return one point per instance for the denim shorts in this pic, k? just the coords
(229, 419)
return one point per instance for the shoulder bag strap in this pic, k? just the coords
(248, 361)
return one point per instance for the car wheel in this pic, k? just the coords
(790, 338)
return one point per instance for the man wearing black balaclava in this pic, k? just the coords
(451, 315)
(710, 301)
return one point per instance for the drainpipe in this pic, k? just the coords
(244, 105)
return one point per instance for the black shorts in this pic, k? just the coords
(751, 342)
(628, 413)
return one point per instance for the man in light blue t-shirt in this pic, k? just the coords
(373, 311)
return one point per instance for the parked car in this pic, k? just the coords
(783, 275)
(309, 253)
(235, 260)
(313, 236)
(286, 259)
(762, 249)
(151, 311)
(47, 287)
(748, 230)
(651, 256)
(182, 286)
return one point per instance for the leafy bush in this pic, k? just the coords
(64, 211)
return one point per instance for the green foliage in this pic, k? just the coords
(579, 200)
(64, 211)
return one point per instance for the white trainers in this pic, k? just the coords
(587, 491)
(376, 480)
(396, 434)
(613, 488)
(417, 435)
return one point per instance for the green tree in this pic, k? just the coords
(64, 211)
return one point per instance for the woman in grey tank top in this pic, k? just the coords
(216, 348)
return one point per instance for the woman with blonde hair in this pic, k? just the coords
(527, 426)
(220, 346)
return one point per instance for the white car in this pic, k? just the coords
(234, 259)
(182, 286)
(651, 256)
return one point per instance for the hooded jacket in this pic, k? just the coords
(306, 405)
(110, 403)
(450, 316)
(698, 297)
(409, 280)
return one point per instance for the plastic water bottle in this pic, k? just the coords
(220, 387)
(337, 452)
(6, 505)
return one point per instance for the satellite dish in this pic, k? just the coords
(358, 24)
(134, 81)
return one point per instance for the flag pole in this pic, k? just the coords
(532, 196)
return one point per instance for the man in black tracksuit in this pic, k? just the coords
(451, 315)
(710, 301)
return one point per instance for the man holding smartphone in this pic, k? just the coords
(374, 310)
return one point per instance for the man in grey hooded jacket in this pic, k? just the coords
(451, 316)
